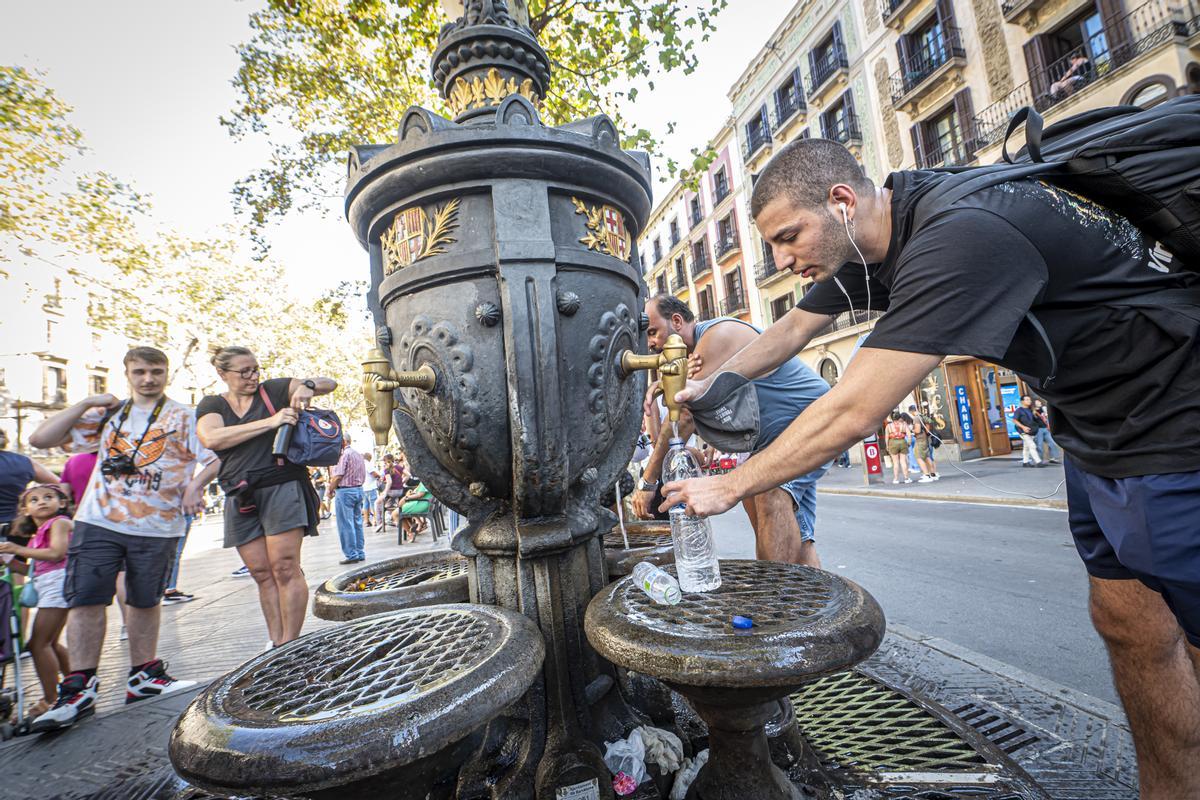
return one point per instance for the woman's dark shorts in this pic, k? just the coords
(1145, 527)
(97, 554)
(277, 509)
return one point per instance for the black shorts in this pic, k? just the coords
(276, 509)
(97, 554)
(1147, 528)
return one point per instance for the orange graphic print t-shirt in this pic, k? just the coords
(149, 502)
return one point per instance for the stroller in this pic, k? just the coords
(10, 653)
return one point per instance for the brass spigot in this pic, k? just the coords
(671, 364)
(380, 380)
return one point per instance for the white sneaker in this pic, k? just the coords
(76, 700)
(908, 480)
(153, 681)
(895, 480)
(926, 479)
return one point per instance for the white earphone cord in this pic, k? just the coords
(866, 274)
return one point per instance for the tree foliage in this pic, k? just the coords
(148, 283)
(89, 212)
(318, 76)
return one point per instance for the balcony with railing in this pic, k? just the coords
(930, 66)
(843, 128)
(1153, 25)
(789, 105)
(830, 71)
(766, 271)
(727, 246)
(695, 218)
(947, 154)
(678, 279)
(897, 14)
(674, 236)
(734, 304)
(720, 191)
(700, 264)
(758, 139)
(847, 320)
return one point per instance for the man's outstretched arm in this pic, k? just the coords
(765, 353)
(875, 382)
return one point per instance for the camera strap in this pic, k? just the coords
(158, 407)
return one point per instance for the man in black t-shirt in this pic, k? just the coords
(1071, 297)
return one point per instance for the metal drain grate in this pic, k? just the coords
(853, 722)
(1001, 732)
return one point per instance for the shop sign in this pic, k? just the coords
(964, 413)
(1010, 395)
(871, 454)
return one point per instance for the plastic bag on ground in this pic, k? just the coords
(663, 748)
(626, 760)
(687, 773)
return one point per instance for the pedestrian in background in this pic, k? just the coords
(131, 518)
(370, 491)
(1043, 438)
(921, 448)
(897, 432)
(269, 507)
(1026, 425)
(346, 484)
(913, 466)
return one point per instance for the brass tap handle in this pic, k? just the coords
(423, 378)
(379, 381)
(671, 364)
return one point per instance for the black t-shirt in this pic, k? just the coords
(1025, 417)
(1125, 397)
(252, 454)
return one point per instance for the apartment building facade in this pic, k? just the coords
(694, 245)
(918, 84)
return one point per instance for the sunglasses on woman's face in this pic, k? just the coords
(247, 373)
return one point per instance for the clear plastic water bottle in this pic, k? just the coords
(695, 552)
(658, 583)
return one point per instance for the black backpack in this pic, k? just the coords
(1142, 163)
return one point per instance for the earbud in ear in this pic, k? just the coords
(842, 206)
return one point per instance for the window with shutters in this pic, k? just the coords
(948, 138)
(789, 98)
(735, 295)
(780, 306)
(1065, 60)
(727, 238)
(826, 60)
(705, 303)
(720, 185)
(695, 211)
(674, 228)
(925, 50)
(700, 261)
(758, 132)
(660, 283)
(657, 250)
(839, 122)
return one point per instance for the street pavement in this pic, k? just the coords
(987, 480)
(1002, 581)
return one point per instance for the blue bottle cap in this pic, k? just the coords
(743, 622)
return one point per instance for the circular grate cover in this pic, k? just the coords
(445, 569)
(637, 539)
(364, 666)
(775, 595)
(856, 723)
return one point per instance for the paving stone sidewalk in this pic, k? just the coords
(988, 480)
(223, 627)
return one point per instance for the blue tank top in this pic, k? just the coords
(783, 394)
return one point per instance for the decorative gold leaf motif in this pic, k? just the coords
(487, 92)
(437, 235)
(413, 236)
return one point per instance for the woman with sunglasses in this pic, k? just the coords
(269, 508)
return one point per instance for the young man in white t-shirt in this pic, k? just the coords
(130, 520)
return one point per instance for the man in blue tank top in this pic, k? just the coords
(784, 518)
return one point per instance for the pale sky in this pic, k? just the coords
(149, 80)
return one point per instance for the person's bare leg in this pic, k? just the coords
(777, 534)
(1157, 675)
(85, 635)
(254, 556)
(121, 598)
(283, 551)
(46, 627)
(142, 626)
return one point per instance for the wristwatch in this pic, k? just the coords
(644, 486)
(311, 384)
